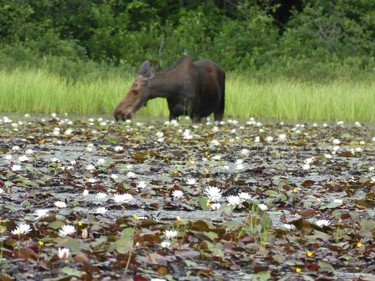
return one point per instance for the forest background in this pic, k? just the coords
(262, 40)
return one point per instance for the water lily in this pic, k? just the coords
(187, 135)
(244, 196)
(41, 213)
(118, 148)
(85, 192)
(101, 162)
(122, 198)
(170, 234)
(165, 244)
(288, 226)
(306, 166)
(322, 223)
(60, 204)
(1, 190)
(215, 206)
(336, 142)
(23, 158)
(131, 175)
(282, 137)
(245, 152)
(101, 210)
(191, 181)
(177, 194)
(68, 132)
(16, 168)
(101, 195)
(141, 184)
(16, 148)
(262, 207)
(63, 253)
(22, 228)
(90, 167)
(213, 193)
(269, 139)
(233, 200)
(67, 230)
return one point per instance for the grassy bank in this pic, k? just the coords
(30, 91)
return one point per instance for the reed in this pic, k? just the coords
(37, 91)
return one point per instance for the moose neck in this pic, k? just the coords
(162, 86)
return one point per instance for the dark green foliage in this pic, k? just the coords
(304, 39)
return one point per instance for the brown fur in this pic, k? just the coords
(191, 88)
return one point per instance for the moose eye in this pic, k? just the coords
(135, 92)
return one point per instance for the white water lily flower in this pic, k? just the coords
(187, 135)
(322, 223)
(41, 213)
(122, 198)
(8, 157)
(213, 193)
(177, 194)
(101, 195)
(131, 175)
(262, 207)
(16, 168)
(257, 139)
(29, 151)
(23, 158)
(215, 142)
(92, 180)
(170, 234)
(336, 142)
(90, 167)
(114, 176)
(191, 181)
(244, 196)
(60, 204)
(68, 131)
(63, 253)
(288, 226)
(306, 166)
(373, 179)
(141, 184)
(118, 148)
(245, 152)
(215, 206)
(282, 137)
(16, 148)
(233, 200)
(67, 230)
(101, 210)
(85, 192)
(338, 201)
(1, 190)
(165, 244)
(239, 166)
(101, 161)
(22, 228)
(269, 139)
(159, 134)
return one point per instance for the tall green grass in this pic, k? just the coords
(31, 91)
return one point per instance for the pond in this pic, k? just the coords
(148, 199)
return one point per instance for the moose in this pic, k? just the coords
(191, 88)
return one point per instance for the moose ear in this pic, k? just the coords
(146, 70)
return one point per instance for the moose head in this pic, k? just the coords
(137, 95)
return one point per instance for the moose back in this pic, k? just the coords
(191, 88)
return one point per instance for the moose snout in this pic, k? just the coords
(119, 115)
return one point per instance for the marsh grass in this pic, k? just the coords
(31, 91)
